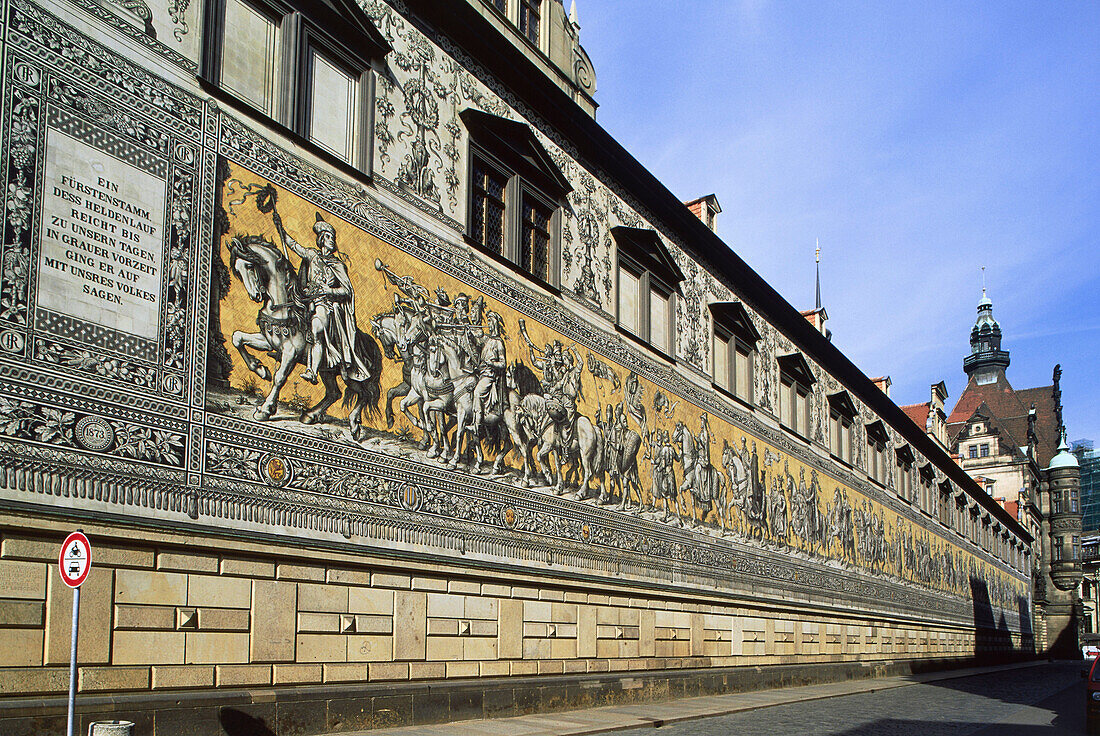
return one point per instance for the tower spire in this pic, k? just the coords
(817, 262)
(986, 359)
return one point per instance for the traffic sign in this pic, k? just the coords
(75, 559)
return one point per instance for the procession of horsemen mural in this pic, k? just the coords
(316, 310)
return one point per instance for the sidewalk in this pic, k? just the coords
(653, 715)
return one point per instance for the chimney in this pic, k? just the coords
(818, 318)
(706, 209)
(883, 383)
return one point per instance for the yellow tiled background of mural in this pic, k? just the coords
(375, 295)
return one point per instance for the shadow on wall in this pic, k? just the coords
(993, 638)
(239, 723)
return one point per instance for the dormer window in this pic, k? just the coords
(530, 16)
(648, 283)
(734, 348)
(516, 196)
(795, 380)
(842, 414)
(305, 66)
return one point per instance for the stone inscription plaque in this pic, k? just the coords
(102, 235)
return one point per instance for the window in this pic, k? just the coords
(842, 414)
(734, 347)
(501, 5)
(1056, 502)
(1073, 500)
(529, 15)
(304, 65)
(973, 453)
(904, 463)
(333, 113)
(515, 195)
(1056, 549)
(876, 452)
(648, 282)
(1076, 547)
(487, 206)
(795, 379)
(927, 498)
(985, 449)
(946, 506)
(250, 60)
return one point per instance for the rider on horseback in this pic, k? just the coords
(490, 391)
(329, 300)
(562, 395)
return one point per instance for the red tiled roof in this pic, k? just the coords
(1010, 408)
(918, 413)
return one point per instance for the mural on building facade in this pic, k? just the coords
(430, 368)
(410, 363)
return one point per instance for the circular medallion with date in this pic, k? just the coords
(275, 470)
(94, 433)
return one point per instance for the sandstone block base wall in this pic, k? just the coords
(163, 613)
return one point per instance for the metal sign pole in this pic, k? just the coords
(72, 660)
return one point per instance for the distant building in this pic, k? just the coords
(1012, 442)
(1090, 485)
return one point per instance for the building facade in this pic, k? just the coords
(389, 388)
(1012, 442)
(1089, 460)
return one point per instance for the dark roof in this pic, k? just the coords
(1010, 409)
(595, 148)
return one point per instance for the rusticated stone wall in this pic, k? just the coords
(163, 613)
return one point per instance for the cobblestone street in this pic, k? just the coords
(1038, 700)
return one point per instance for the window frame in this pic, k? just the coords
(904, 462)
(355, 47)
(536, 8)
(842, 417)
(983, 450)
(877, 440)
(509, 148)
(730, 322)
(641, 252)
(796, 379)
(313, 42)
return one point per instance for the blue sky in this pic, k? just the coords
(918, 141)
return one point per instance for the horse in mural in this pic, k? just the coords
(745, 497)
(272, 282)
(404, 338)
(839, 527)
(706, 484)
(450, 382)
(585, 447)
